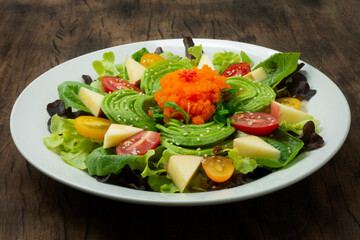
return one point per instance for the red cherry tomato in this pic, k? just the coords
(112, 84)
(139, 143)
(256, 123)
(237, 69)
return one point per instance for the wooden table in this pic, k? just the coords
(36, 35)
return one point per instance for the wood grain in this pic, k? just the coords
(36, 35)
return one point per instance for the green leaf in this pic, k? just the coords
(196, 51)
(170, 56)
(279, 66)
(241, 164)
(102, 162)
(137, 55)
(107, 67)
(246, 58)
(68, 143)
(288, 145)
(68, 93)
(297, 128)
(98, 85)
(162, 183)
(222, 60)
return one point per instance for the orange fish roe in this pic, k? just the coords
(196, 91)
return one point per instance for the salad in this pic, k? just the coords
(166, 123)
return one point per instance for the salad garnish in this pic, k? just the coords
(165, 123)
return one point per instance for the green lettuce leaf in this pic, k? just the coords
(170, 56)
(246, 58)
(222, 60)
(297, 128)
(107, 67)
(162, 183)
(102, 162)
(288, 145)
(196, 51)
(68, 143)
(279, 66)
(137, 55)
(98, 85)
(154, 171)
(241, 164)
(68, 93)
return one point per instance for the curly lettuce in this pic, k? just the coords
(107, 67)
(68, 143)
(297, 128)
(241, 164)
(222, 60)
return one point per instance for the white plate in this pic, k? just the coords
(29, 117)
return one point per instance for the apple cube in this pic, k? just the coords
(134, 69)
(285, 113)
(205, 60)
(117, 132)
(258, 74)
(254, 147)
(182, 168)
(91, 100)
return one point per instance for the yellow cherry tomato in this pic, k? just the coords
(92, 127)
(218, 168)
(150, 58)
(290, 102)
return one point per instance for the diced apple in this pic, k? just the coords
(258, 74)
(134, 69)
(205, 60)
(182, 168)
(253, 146)
(117, 132)
(285, 113)
(91, 100)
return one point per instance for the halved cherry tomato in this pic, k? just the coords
(150, 58)
(290, 102)
(256, 123)
(93, 127)
(139, 143)
(112, 84)
(237, 69)
(218, 168)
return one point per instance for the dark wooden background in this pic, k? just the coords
(36, 35)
